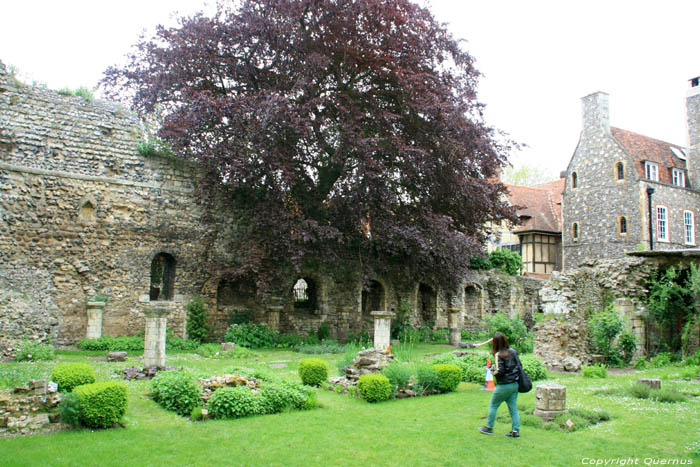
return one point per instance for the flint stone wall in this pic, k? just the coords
(82, 212)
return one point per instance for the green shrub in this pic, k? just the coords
(667, 394)
(640, 363)
(71, 375)
(427, 379)
(478, 262)
(154, 147)
(291, 341)
(113, 344)
(280, 395)
(177, 391)
(313, 371)
(639, 390)
(178, 343)
(449, 376)
(604, 328)
(325, 347)
(33, 351)
(689, 373)
(197, 414)
(597, 370)
(534, 367)
(70, 410)
(197, 327)
(323, 332)
(209, 350)
(235, 402)
(661, 360)
(252, 336)
(513, 328)
(505, 260)
(374, 387)
(102, 404)
(399, 375)
(82, 91)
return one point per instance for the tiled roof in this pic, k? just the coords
(642, 148)
(540, 206)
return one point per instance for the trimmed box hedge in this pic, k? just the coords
(101, 404)
(313, 371)
(71, 375)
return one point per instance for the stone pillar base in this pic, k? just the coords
(551, 401)
(156, 324)
(454, 325)
(382, 329)
(548, 415)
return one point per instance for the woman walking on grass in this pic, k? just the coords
(507, 375)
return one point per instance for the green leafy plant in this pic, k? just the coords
(197, 414)
(505, 260)
(323, 332)
(313, 371)
(278, 396)
(101, 404)
(235, 402)
(597, 370)
(661, 360)
(113, 344)
(34, 351)
(82, 91)
(399, 375)
(512, 328)
(605, 327)
(449, 376)
(70, 375)
(178, 391)
(534, 367)
(197, 326)
(154, 147)
(252, 336)
(427, 379)
(640, 363)
(401, 323)
(70, 410)
(374, 387)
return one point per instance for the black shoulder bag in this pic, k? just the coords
(524, 382)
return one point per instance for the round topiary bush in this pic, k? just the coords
(235, 402)
(101, 404)
(177, 391)
(70, 375)
(449, 375)
(374, 387)
(277, 396)
(313, 371)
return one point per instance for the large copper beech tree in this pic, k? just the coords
(333, 129)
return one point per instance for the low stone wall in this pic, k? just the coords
(29, 410)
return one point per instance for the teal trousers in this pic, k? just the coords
(507, 393)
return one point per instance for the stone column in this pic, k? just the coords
(156, 322)
(454, 325)
(636, 318)
(382, 328)
(551, 401)
(273, 317)
(94, 319)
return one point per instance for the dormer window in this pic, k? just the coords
(678, 177)
(651, 171)
(619, 171)
(574, 180)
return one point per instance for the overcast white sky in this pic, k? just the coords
(538, 58)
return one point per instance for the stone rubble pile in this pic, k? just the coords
(209, 385)
(29, 409)
(367, 361)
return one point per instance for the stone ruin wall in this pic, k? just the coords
(569, 298)
(82, 212)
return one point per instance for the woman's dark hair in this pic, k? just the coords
(499, 344)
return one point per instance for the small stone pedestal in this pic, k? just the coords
(382, 328)
(551, 401)
(653, 383)
(94, 319)
(156, 324)
(454, 325)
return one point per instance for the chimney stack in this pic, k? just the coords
(596, 113)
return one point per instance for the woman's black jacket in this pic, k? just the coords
(508, 369)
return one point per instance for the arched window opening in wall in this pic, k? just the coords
(162, 277)
(622, 225)
(427, 304)
(87, 211)
(620, 171)
(574, 180)
(304, 294)
(235, 301)
(473, 307)
(372, 298)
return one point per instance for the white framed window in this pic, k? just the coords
(661, 224)
(678, 177)
(689, 227)
(651, 171)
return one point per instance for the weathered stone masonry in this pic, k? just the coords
(82, 212)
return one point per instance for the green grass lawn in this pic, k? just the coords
(435, 430)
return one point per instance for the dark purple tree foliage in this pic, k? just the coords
(333, 130)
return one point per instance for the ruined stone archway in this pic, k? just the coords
(426, 305)
(473, 305)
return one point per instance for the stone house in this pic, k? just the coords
(84, 212)
(625, 191)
